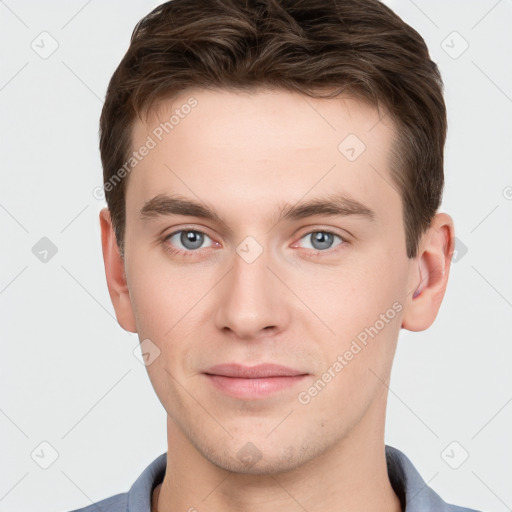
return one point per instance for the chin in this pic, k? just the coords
(251, 459)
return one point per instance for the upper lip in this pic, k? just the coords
(259, 371)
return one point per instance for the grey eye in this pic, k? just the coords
(188, 239)
(321, 240)
(191, 239)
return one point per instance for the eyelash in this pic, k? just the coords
(168, 247)
(315, 253)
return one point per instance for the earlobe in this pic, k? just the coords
(431, 270)
(115, 274)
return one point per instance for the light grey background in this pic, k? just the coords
(69, 374)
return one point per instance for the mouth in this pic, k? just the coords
(253, 382)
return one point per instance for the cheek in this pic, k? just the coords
(353, 295)
(154, 305)
(163, 303)
(162, 294)
(361, 303)
(170, 308)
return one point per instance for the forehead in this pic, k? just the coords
(261, 147)
(275, 119)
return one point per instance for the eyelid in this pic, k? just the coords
(176, 250)
(343, 239)
(343, 234)
(201, 229)
(174, 233)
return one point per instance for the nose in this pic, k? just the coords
(252, 302)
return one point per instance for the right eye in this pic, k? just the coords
(187, 240)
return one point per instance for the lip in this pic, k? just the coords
(259, 371)
(253, 382)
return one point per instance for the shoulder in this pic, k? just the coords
(117, 503)
(447, 507)
(455, 508)
(138, 498)
(413, 491)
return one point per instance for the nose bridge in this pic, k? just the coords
(250, 299)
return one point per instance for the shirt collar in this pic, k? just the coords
(410, 486)
(140, 494)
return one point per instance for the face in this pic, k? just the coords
(266, 264)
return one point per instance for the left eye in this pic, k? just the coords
(321, 240)
(189, 240)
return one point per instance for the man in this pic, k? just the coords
(273, 172)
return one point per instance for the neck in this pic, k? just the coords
(350, 476)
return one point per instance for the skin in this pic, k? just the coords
(246, 155)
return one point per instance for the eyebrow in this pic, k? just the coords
(332, 205)
(335, 205)
(163, 205)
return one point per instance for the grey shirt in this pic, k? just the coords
(415, 495)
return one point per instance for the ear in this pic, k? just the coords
(429, 274)
(115, 273)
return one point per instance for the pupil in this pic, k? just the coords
(321, 240)
(191, 239)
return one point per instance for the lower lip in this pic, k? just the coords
(253, 388)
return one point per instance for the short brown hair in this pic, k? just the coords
(356, 46)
